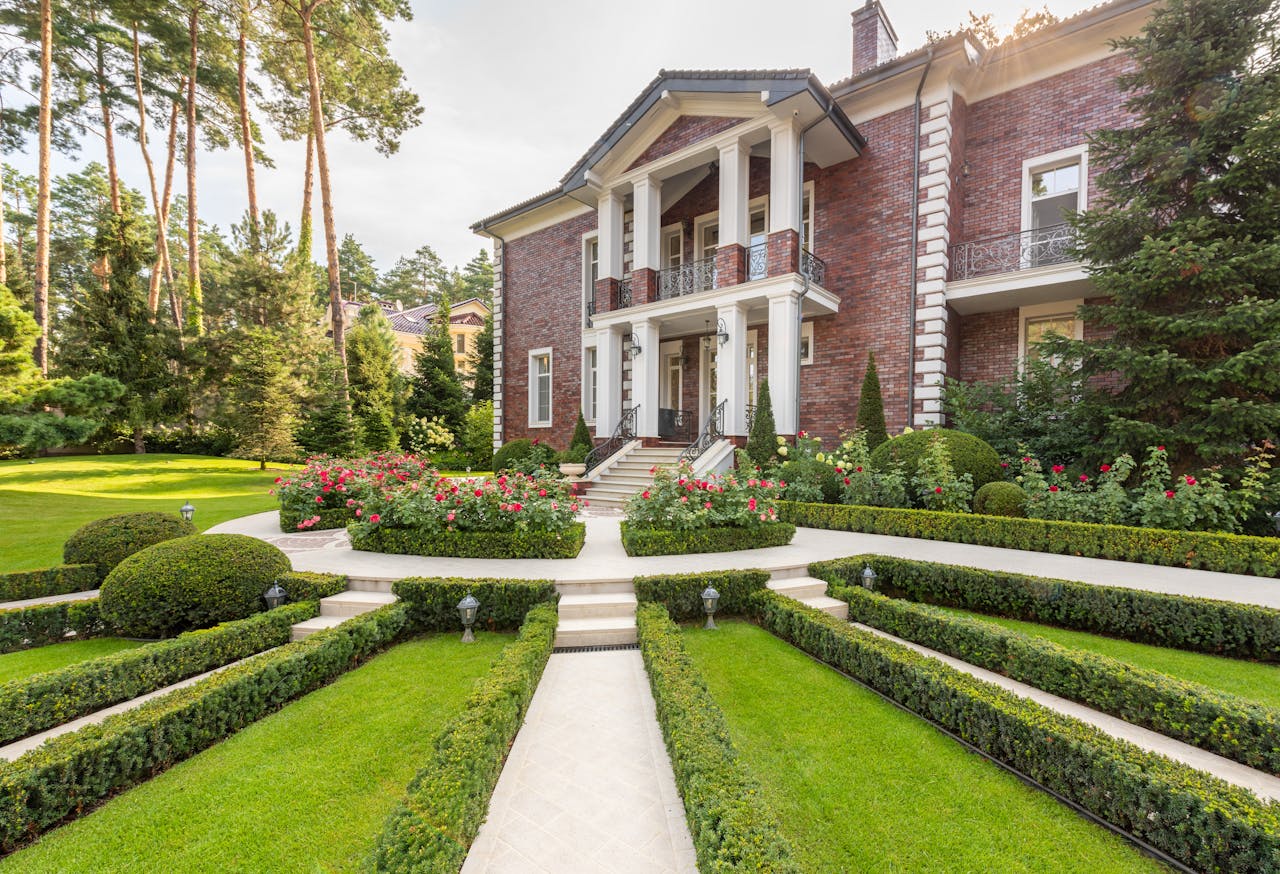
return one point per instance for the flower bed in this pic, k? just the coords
(681, 513)
(327, 491)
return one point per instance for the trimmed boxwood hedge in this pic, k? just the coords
(67, 775)
(1243, 631)
(311, 586)
(1225, 724)
(49, 623)
(448, 799)
(733, 826)
(969, 454)
(43, 700)
(641, 540)
(331, 517)
(681, 594)
(432, 602)
(472, 544)
(1200, 820)
(1229, 553)
(60, 580)
(107, 542)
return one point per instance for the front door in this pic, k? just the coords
(707, 397)
(671, 424)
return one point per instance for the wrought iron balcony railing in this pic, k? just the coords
(757, 261)
(624, 295)
(813, 267)
(687, 278)
(1041, 247)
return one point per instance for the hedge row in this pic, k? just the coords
(733, 826)
(472, 544)
(642, 540)
(331, 517)
(311, 586)
(449, 798)
(1224, 724)
(70, 773)
(1200, 820)
(49, 623)
(681, 594)
(432, 602)
(50, 698)
(60, 580)
(1229, 553)
(1243, 631)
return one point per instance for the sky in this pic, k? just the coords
(514, 92)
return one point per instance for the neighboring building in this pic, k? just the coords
(737, 225)
(466, 320)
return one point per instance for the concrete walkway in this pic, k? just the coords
(603, 559)
(588, 787)
(48, 599)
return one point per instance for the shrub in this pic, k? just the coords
(325, 493)
(1001, 499)
(762, 442)
(1202, 821)
(1227, 628)
(192, 582)
(678, 500)
(521, 454)
(581, 435)
(643, 540)
(60, 580)
(1229, 553)
(732, 825)
(871, 406)
(937, 485)
(809, 476)
(70, 773)
(449, 798)
(681, 594)
(1224, 724)
(477, 435)
(49, 623)
(107, 542)
(527, 543)
(51, 698)
(310, 586)
(968, 454)
(432, 602)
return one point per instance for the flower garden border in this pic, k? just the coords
(469, 544)
(641, 541)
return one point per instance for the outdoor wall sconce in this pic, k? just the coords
(187, 511)
(635, 350)
(275, 596)
(710, 598)
(467, 609)
(869, 578)
(721, 334)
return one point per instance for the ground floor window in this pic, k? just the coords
(589, 384)
(540, 387)
(1035, 323)
(806, 343)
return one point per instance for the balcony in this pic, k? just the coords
(701, 275)
(1008, 253)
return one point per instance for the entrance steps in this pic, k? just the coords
(338, 608)
(630, 475)
(811, 592)
(596, 618)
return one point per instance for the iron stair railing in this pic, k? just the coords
(623, 432)
(712, 431)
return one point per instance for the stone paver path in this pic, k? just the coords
(588, 787)
(48, 599)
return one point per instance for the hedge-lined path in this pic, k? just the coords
(48, 599)
(603, 559)
(1262, 784)
(588, 786)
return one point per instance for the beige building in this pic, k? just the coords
(466, 320)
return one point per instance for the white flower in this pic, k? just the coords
(819, 457)
(781, 439)
(782, 450)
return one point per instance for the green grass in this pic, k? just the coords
(862, 786)
(25, 662)
(305, 789)
(41, 504)
(1252, 680)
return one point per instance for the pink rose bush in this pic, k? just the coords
(680, 501)
(326, 491)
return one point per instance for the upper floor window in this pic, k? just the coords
(673, 247)
(590, 273)
(460, 344)
(1054, 187)
(1055, 195)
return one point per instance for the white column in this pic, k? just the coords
(784, 179)
(731, 369)
(609, 216)
(784, 358)
(608, 380)
(735, 162)
(647, 208)
(645, 376)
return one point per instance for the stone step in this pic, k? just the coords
(596, 631)
(370, 584)
(638, 480)
(799, 587)
(617, 495)
(601, 605)
(303, 630)
(836, 608)
(347, 604)
(788, 572)
(619, 586)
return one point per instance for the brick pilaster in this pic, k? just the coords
(784, 253)
(731, 265)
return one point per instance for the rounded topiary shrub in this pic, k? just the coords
(107, 542)
(813, 472)
(191, 582)
(511, 452)
(1001, 499)
(969, 454)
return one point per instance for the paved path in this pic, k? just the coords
(588, 787)
(602, 558)
(48, 599)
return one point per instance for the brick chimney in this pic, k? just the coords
(874, 39)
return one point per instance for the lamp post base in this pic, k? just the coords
(711, 623)
(467, 636)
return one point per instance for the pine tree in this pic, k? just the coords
(264, 409)
(436, 391)
(581, 434)
(372, 374)
(762, 444)
(330, 428)
(871, 406)
(1184, 242)
(481, 363)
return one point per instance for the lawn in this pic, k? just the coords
(306, 789)
(41, 504)
(1252, 680)
(862, 786)
(25, 662)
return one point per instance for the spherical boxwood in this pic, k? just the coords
(1001, 499)
(107, 542)
(511, 452)
(969, 454)
(810, 470)
(191, 582)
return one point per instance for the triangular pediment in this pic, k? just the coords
(684, 131)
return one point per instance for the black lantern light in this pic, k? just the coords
(467, 609)
(710, 598)
(275, 596)
(187, 511)
(869, 578)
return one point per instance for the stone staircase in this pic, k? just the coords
(630, 475)
(338, 608)
(794, 583)
(596, 613)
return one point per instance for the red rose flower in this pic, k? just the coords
(1169, 494)
(1084, 477)
(375, 518)
(938, 490)
(1053, 488)
(1159, 449)
(1191, 480)
(1106, 468)
(1058, 468)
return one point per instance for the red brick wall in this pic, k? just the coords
(684, 131)
(988, 346)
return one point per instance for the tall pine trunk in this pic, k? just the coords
(44, 123)
(308, 180)
(4, 259)
(246, 129)
(194, 292)
(166, 200)
(153, 288)
(108, 126)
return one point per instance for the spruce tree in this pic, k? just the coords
(762, 443)
(436, 390)
(581, 434)
(263, 406)
(373, 377)
(481, 363)
(871, 406)
(1184, 241)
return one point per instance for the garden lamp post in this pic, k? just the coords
(275, 596)
(467, 609)
(710, 598)
(187, 511)
(869, 578)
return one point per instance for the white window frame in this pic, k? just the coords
(587, 285)
(1045, 311)
(808, 242)
(590, 383)
(806, 333)
(666, 233)
(460, 340)
(534, 355)
(1062, 158)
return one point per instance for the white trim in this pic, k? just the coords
(587, 238)
(1061, 158)
(706, 366)
(1044, 311)
(532, 378)
(590, 410)
(667, 350)
(810, 191)
(806, 333)
(713, 217)
(665, 233)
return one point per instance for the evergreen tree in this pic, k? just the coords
(1184, 242)
(762, 443)
(373, 378)
(264, 408)
(328, 427)
(436, 390)
(476, 279)
(481, 363)
(871, 406)
(359, 273)
(581, 434)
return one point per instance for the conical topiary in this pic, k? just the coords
(581, 434)
(762, 443)
(871, 406)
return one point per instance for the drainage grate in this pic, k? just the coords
(604, 647)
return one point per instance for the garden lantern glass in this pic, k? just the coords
(710, 598)
(869, 578)
(467, 609)
(275, 596)
(187, 511)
